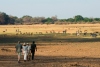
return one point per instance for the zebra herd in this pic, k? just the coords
(78, 33)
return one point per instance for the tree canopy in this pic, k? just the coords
(26, 19)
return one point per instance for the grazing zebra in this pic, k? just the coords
(93, 35)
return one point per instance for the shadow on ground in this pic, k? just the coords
(50, 61)
(46, 39)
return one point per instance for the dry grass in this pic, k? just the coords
(55, 54)
(71, 28)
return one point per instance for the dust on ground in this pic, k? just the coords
(67, 55)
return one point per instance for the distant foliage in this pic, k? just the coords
(4, 18)
(29, 20)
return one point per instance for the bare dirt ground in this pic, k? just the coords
(62, 55)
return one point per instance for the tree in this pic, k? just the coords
(4, 18)
(86, 19)
(49, 20)
(26, 18)
(78, 18)
(90, 19)
(38, 20)
(97, 19)
(12, 19)
(62, 20)
(70, 20)
(54, 18)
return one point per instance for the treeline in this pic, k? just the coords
(8, 19)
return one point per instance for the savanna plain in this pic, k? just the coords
(55, 48)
